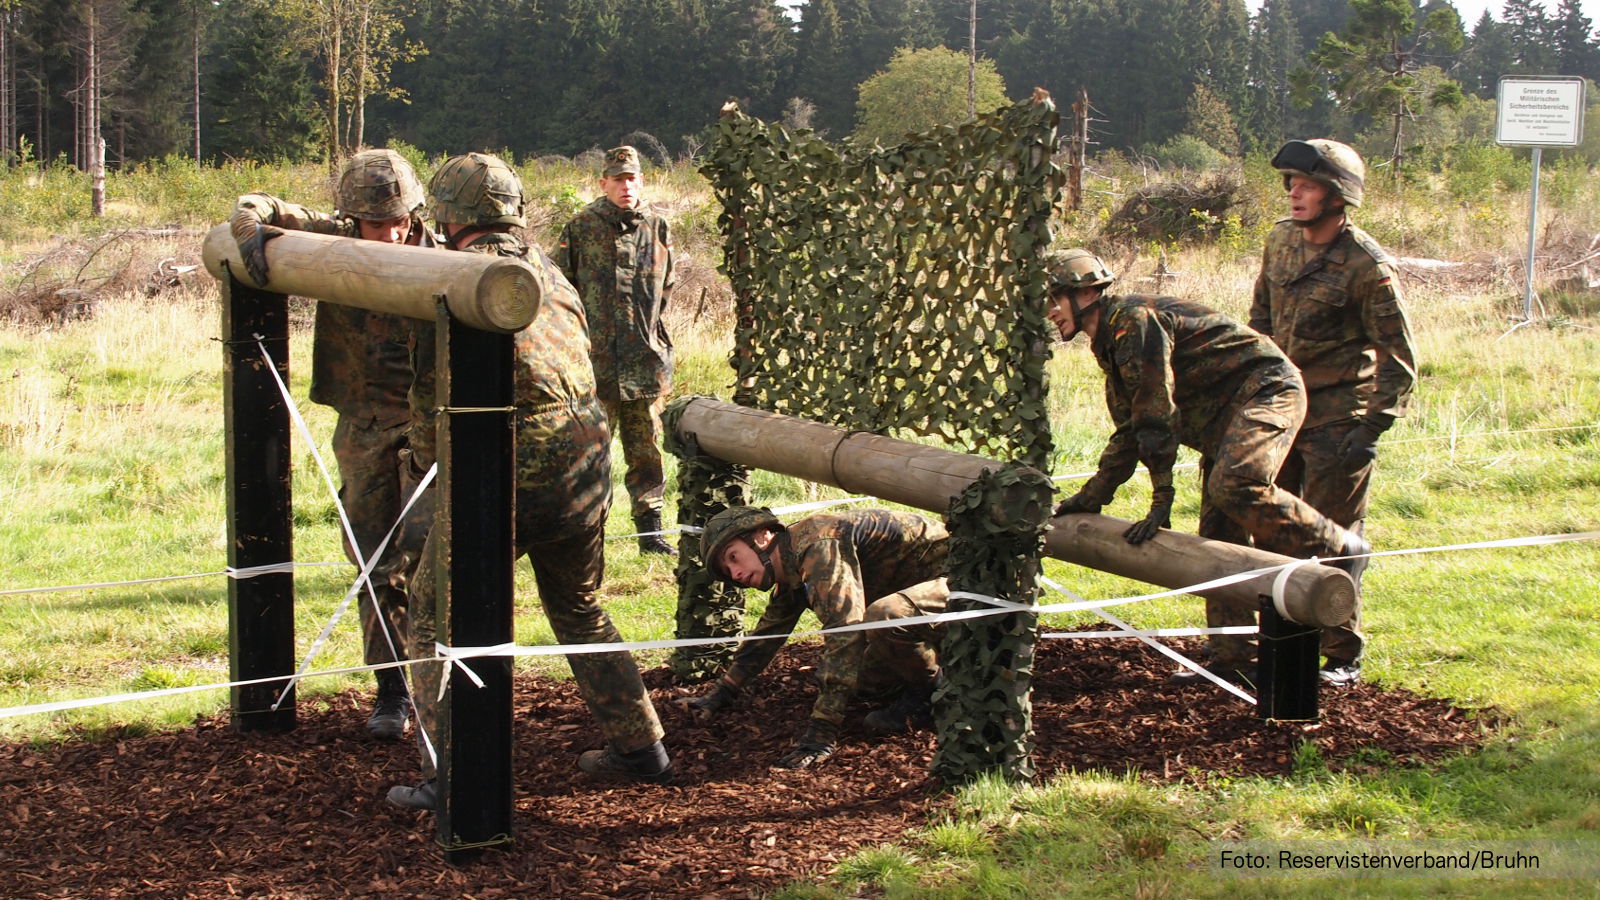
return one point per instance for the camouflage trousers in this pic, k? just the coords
(637, 424)
(1315, 470)
(908, 654)
(568, 572)
(368, 453)
(1241, 503)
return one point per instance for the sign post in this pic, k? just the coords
(1538, 111)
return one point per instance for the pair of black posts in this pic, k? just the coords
(476, 596)
(476, 604)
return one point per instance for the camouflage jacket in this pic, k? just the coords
(1175, 371)
(360, 365)
(620, 261)
(835, 564)
(563, 442)
(1339, 316)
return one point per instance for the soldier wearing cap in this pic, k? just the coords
(360, 366)
(863, 565)
(619, 257)
(1178, 372)
(1329, 296)
(563, 488)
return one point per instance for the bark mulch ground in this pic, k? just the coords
(205, 813)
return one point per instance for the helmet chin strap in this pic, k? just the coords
(1078, 314)
(765, 556)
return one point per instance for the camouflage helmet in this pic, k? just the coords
(729, 525)
(1076, 268)
(378, 184)
(475, 189)
(1330, 163)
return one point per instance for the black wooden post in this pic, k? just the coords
(260, 523)
(1287, 669)
(477, 459)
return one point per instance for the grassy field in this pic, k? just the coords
(111, 469)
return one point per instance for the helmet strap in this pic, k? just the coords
(1078, 313)
(765, 555)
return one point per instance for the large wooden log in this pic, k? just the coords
(928, 478)
(492, 293)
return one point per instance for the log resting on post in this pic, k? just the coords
(928, 477)
(490, 293)
(469, 294)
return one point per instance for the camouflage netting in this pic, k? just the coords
(895, 290)
(983, 711)
(707, 606)
(901, 291)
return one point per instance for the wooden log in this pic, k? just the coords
(491, 293)
(928, 478)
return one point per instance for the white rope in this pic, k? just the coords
(355, 587)
(338, 505)
(248, 572)
(1170, 653)
(997, 606)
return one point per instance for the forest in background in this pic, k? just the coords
(292, 80)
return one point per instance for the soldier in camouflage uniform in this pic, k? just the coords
(847, 568)
(1178, 372)
(1330, 298)
(620, 260)
(563, 484)
(360, 367)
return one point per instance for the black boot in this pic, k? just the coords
(393, 707)
(911, 712)
(650, 541)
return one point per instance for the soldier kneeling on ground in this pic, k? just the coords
(858, 566)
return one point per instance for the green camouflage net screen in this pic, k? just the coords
(898, 291)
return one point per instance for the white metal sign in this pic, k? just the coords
(1540, 112)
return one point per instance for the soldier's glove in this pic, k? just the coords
(252, 234)
(1360, 446)
(1160, 517)
(707, 705)
(817, 744)
(1080, 502)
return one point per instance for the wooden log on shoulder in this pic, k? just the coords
(492, 293)
(928, 478)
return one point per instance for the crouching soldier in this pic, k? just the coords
(1178, 372)
(847, 568)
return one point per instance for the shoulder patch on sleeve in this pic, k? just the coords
(1368, 243)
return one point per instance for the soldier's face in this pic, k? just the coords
(623, 190)
(743, 566)
(1307, 199)
(389, 231)
(1062, 316)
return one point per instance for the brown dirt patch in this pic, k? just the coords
(204, 812)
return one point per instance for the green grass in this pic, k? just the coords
(111, 468)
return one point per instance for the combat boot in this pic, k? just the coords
(649, 764)
(423, 796)
(1339, 673)
(913, 711)
(650, 538)
(393, 707)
